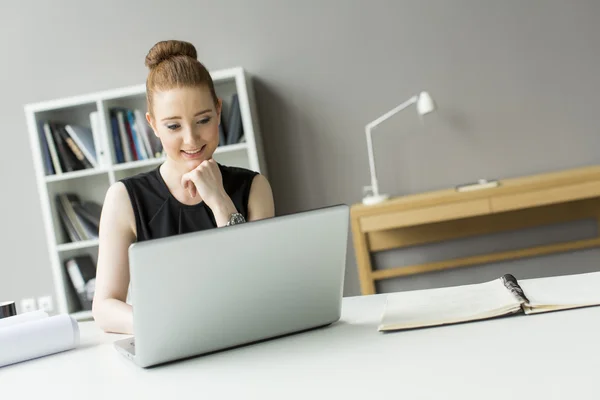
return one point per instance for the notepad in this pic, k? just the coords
(501, 297)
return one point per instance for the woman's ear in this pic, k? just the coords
(151, 123)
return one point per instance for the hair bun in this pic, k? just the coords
(166, 49)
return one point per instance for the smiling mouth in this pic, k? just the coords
(193, 152)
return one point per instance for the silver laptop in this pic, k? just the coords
(206, 291)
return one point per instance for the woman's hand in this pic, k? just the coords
(206, 181)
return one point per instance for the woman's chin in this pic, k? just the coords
(192, 164)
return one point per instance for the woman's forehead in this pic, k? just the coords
(186, 100)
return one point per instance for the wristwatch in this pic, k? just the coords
(236, 218)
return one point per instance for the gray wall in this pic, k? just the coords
(516, 84)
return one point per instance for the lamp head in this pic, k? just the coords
(425, 103)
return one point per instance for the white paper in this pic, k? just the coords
(20, 318)
(447, 305)
(568, 290)
(38, 338)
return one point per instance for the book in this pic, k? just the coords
(235, 129)
(45, 148)
(504, 296)
(133, 138)
(126, 139)
(66, 223)
(142, 129)
(82, 274)
(52, 148)
(80, 219)
(102, 156)
(116, 136)
(68, 200)
(89, 210)
(83, 138)
(136, 135)
(81, 162)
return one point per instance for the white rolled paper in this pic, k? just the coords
(20, 318)
(38, 338)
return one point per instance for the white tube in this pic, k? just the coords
(20, 318)
(38, 338)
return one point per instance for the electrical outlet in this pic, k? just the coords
(27, 305)
(45, 303)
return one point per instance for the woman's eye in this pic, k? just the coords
(173, 126)
(204, 120)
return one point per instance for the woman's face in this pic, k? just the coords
(187, 123)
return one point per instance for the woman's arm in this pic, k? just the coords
(260, 204)
(117, 232)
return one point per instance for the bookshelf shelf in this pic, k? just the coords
(231, 147)
(139, 164)
(111, 121)
(76, 174)
(83, 244)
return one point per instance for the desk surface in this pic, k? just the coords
(549, 356)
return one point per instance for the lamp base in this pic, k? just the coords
(375, 199)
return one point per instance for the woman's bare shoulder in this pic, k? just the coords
(260, 204)
(117, 206)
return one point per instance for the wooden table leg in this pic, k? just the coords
(363, 258)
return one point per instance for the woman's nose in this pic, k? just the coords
(188, 135)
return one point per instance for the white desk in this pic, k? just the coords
(551, 356)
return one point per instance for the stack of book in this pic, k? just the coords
(231, 129)
(82, 276)
(132, 137)
(80, 220)
(66, 147)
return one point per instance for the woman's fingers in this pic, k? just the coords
(188, 184)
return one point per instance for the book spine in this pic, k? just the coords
(53, 150)
(510, 282)
(125, 138)
(119, 157)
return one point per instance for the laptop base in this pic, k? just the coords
(126, 347)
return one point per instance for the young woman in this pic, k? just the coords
(188, 192)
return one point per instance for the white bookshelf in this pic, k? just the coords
(91, 184)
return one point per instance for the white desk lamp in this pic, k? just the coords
(425, 105)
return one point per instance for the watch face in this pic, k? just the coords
(236, 218)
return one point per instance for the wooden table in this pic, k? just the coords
(436, 216)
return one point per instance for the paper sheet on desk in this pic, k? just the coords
(561, 292)
(37, 338)
(447, 305)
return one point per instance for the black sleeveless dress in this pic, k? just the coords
(159, 214)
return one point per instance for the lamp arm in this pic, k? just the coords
(392, 112)
(369, 127)
(374, 184)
